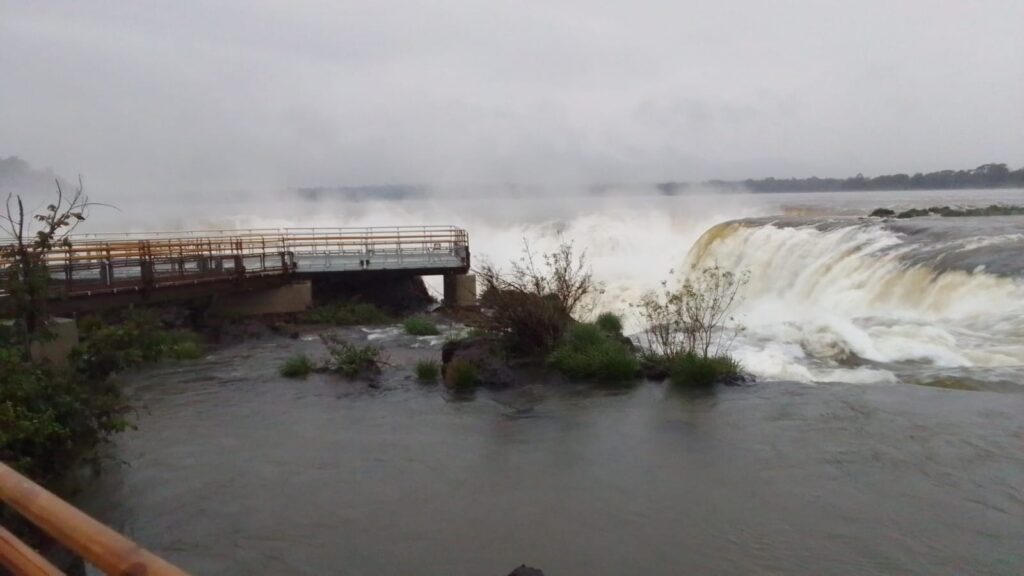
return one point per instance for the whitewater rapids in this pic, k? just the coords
(872, 301)
(833, 296)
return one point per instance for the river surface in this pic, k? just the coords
(835, 462)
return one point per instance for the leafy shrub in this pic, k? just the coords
(609, 322)
(346, 314)
(461, 375)
(352, 361)
(51, 421)
(420, 326)
(695, 370)
(427, 370)
(110, 348)
(589, 353)
(297, 366)
(695, 318)
(182, 345)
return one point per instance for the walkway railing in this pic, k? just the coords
(97, 544)
(103, 263)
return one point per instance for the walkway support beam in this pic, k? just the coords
(100, 546)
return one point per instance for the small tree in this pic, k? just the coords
(562, 274)
(538, 297)
(708, 299)
(695, 318)
(24, 261)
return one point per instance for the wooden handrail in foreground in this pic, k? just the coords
(19, 559)
(100, 546)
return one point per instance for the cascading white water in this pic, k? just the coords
(828, 300)
(854, 301)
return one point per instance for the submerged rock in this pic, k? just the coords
(524, 570)
(740, 379)
(484, 355)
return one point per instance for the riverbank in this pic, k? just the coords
(235, 470)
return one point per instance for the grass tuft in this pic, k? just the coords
(462, 375)
(297, 366)
(420, 326)
(587, 352)
(350, 360)
(427, 370)
(695, 370)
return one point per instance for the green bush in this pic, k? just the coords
(420, 326)
(109, 348)
(346, 314)
(461, 375)
(182, 345)
(51, 421)
(350, 360)
(610, 323)
(587, 352)
(427, 370)
(297, 366)
(695, 370)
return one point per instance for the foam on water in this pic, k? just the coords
(830, 298)
(855, 301)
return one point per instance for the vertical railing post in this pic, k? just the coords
(146, 269)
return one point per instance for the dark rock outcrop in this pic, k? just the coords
(524, 570)
(484, 354)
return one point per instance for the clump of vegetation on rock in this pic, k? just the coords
(688, 330)
(695, 370)
(351, 360)
(427, 370)
(949, 212)
(593, 352)
(297, 366)
(350, 313)
(420, 326)
(139, 338)
(609, 322)
(461, 375)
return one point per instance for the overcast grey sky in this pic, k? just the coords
(176, 95)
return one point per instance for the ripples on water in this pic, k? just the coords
(234, 470)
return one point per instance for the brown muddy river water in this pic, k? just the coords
(838, 462)
(234, 470)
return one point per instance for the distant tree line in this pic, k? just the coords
(985, 176)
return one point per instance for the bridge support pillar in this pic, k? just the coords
(287, 299)
(460, 290)
(57, 350)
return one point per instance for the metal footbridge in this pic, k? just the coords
(180, 264)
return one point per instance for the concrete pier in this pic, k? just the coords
(55, 351)
(460, 290)
(287, 299)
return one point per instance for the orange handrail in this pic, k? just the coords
(19, 559)
(108, 264)
(100, 546)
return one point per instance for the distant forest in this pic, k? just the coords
(985, 176)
